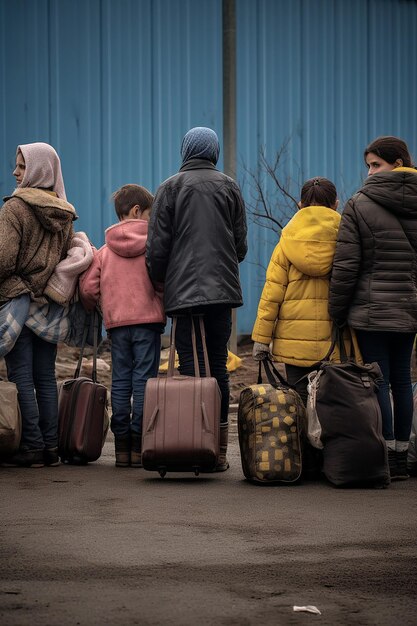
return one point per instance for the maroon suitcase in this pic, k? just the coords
(82, 414)
(181, 418)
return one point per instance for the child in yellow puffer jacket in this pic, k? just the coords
(292, 311)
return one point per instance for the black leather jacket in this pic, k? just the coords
(374, 277)
(197, 238)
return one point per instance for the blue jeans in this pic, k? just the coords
(218, 326)
(135, 352)
(392, 351)
(31, 366)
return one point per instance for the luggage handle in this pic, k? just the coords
(94, 321)
(270, 370)
(338, 340)
(203, 341)
(171, 360)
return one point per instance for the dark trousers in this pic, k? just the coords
(312, 458)
(135, 353)
(294, 374)
(31, 366)
(218, 326)
(392, 351)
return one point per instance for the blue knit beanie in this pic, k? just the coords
(200, 143)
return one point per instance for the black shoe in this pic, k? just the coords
(25, 458)
(51, 458)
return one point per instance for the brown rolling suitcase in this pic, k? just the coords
(82, 413)
(181, 418)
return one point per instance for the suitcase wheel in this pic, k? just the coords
(74, 460)
(162, 471)
(196, 471)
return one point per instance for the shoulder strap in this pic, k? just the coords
(337, 340)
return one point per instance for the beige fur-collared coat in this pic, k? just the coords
(35, 234)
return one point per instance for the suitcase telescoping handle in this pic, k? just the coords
(94, 321)
(171, 361)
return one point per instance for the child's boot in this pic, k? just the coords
(136, 450)
(122, 450)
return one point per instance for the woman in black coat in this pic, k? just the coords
(374, 282)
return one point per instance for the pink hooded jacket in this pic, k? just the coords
(118, 278)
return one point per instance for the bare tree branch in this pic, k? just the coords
(272, 171)
(267, 210)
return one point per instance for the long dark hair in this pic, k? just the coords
(390, 149)
(318, 191)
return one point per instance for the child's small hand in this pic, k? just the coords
(260, 351)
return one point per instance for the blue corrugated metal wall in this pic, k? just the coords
(114, 85)
(327, 76)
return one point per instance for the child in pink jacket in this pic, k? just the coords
(133, 315)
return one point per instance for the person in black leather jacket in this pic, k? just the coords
(197, 238)
(374, 282)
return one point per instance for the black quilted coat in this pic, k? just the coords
(374, 277)
(197, 238)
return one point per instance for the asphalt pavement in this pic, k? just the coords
(106, 546)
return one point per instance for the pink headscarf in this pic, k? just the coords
(43, 168)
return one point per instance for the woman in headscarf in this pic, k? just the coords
(197, 238)
(35, 234)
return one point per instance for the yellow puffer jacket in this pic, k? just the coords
(293, 306)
